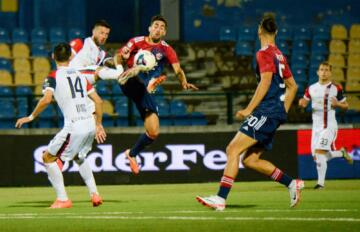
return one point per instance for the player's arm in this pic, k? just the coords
(41, 105)
(304, 101)
(179, 72)
(340, 100)
(260, 93)
(290, 92)
(100, 132)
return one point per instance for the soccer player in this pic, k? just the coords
(138, 88)
(325, 97)
(70, 89)
(266, 111)
(90, 57)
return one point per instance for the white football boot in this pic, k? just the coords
(295, 188)
(215, 202)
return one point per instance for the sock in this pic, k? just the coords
(87, 175)
(109, 73)
(334, 154)
(282, 178)
(56, 179)
(321, 166)
(225, 186)
(143, 141)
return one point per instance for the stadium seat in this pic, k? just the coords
(19, 35)
(121, 106)
(244, 48)
(57, 35)
(5, 51)
(302, 33)
(198, 119)
(41, 64)
(39, 77)
(354, 60)
(321, 33)
(300, 75)
(5, 77)
(319, 47)
(164, 108)
(338, 31)
(284, 33)
(247, 34)
(316, 59)
(107, 121)
(300, 46)
(38, 91)
(74, 33)
(353, 74)
(299, 60)
(108, 107)
(354, 46)
(20, 50)
(178, 111)
(352, 86)
(352, 116)
(227, 33)
(7, 116)
(284, 47)
(355, 31)
(38, 35)
(22, 78)
(5, 65)
(23, 91)
(39, 50)
(47, 118)
(338, 75)
(22, 65)
(354, 102)
(313, 77)
(337, 47)
(337, 60)
(4, 36)
(103, 91)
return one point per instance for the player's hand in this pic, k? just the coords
(242, 114)
(100, 135)
(22, 121)
(302, 102)
(334, 102)
(131, 72)
(187, 85)
(125, 53)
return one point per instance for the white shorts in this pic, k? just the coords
(323, 139)
(75, 138)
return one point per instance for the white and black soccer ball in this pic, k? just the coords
(145, 58)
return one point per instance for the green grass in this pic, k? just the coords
(252, 206)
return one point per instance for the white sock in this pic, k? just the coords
(334, 154)
(57, 180)
(87, 175)
(321, 166)
(106, 73)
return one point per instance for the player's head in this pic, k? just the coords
(100, 32)
(267, 26)
(157, 28)
(324, 71)
(62, 53)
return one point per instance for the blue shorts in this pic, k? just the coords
(261, 128)
(135, 89)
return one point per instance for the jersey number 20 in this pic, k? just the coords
(76, 87)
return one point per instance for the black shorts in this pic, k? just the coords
(135, 89)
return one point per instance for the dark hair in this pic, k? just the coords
(326, 63)
(268, 24)
(62, 52)
(102, 23)
(158, 18)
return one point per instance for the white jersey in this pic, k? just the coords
(87, 53)
(70, 89)
(323, 115)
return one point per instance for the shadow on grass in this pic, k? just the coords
(240, 206)
(45, 204)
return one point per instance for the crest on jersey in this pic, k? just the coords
(158, 56)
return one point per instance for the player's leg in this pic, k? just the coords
(57, 181)
(239, 144)
(333, 153)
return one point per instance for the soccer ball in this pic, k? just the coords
(145, 58)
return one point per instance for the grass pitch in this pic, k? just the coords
(251, 206)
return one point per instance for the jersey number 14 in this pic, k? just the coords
(75, 87)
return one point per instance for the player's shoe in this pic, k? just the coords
(318, 186)
(295, 188)
(96, 199)
(133, 164)
(155, 82)
(346, 155)
(214, 202)
(61, 204)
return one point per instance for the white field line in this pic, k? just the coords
(174, 218)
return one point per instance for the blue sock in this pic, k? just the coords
(142, 142)
(281, 177)
(225, 186)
